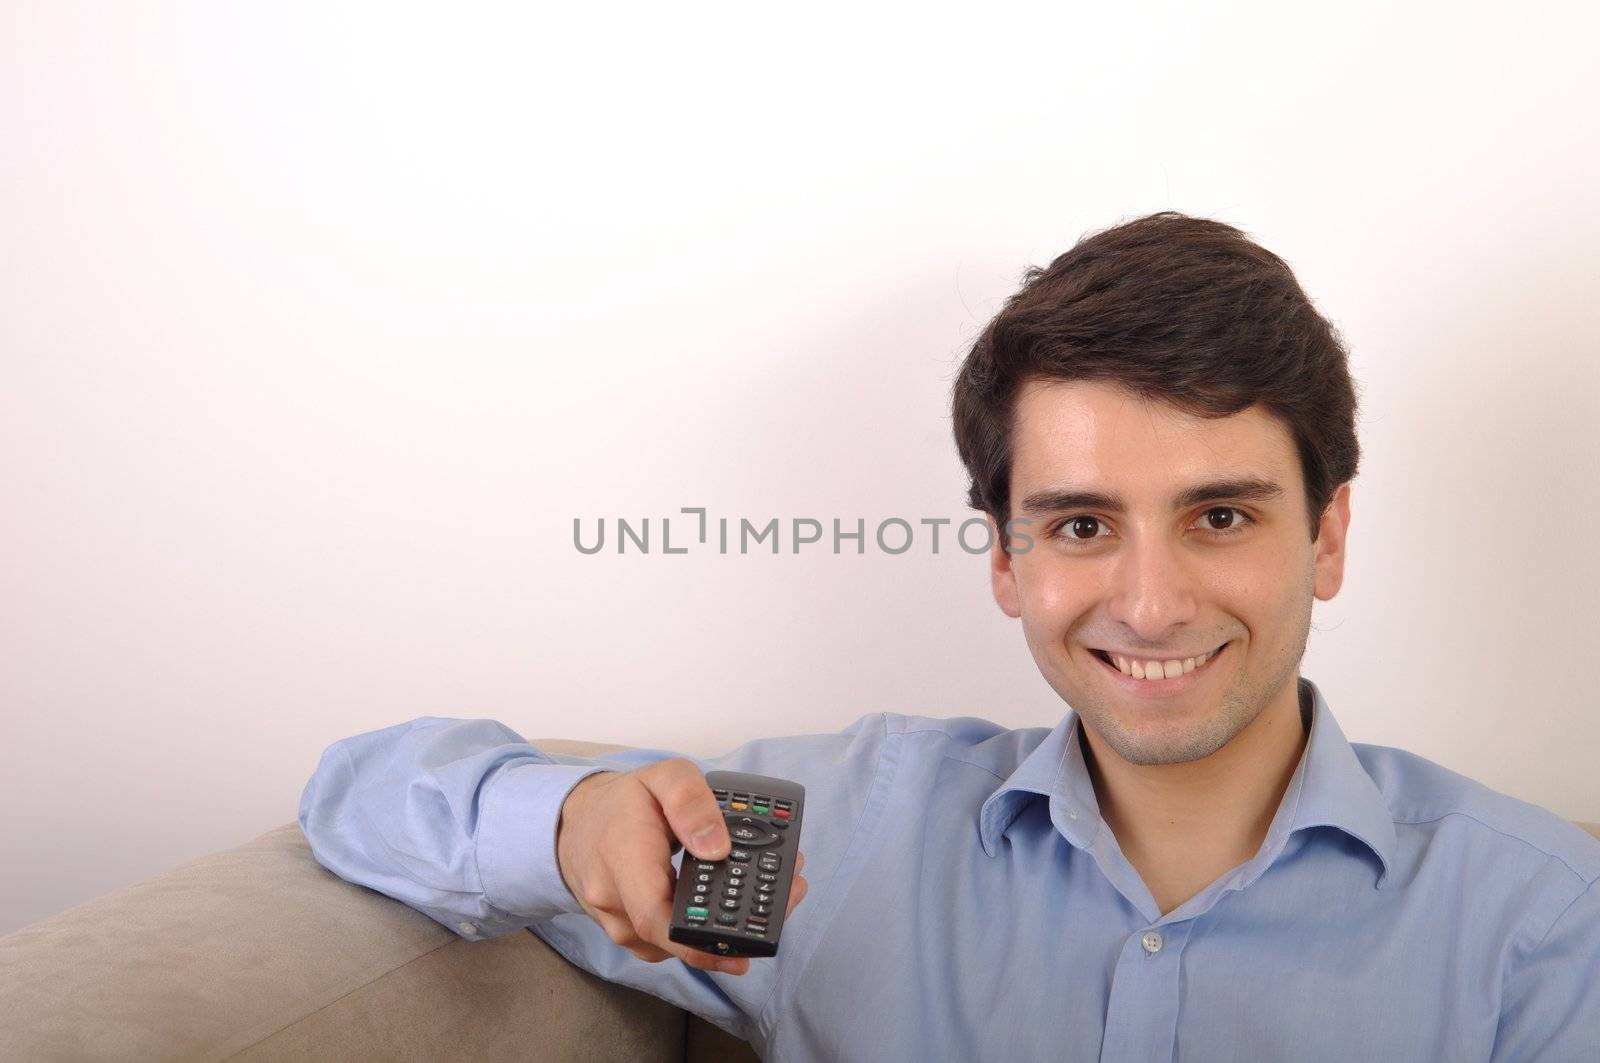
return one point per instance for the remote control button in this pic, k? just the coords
(759, 931)
(696, 913)
(739, 856)
(728, 920)
(769, 862)
(762, 909)
(719, 792)
(703, 877)
(730, 906)
(738, 806)
(733, 891)
(749, 833)
(781, 824)
(781, 813)
(738, 872)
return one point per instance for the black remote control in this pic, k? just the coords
(735, 907)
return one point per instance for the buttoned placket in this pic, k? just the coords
(1142, 1010)
(1142, 1013)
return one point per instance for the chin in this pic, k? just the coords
(1180, 748)
(1157, 738)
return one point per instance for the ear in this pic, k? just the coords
(1330, 544)
(1002, 578)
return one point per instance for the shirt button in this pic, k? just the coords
(1151, 942)
(467, 928)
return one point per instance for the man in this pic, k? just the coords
(1194, 863)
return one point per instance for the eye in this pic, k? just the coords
(1236, 523)
(1219, 521)
(1080, 528)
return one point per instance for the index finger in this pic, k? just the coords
(690, 807)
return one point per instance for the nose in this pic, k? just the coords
(1153, 590)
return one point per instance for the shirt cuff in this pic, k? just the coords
(517, 820)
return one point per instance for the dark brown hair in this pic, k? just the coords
(1186, 310)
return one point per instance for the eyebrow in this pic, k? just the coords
(1241, 489)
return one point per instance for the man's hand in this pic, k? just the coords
(614, 845)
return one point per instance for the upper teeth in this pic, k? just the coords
(1159, 669)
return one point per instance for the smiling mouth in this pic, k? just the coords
(1105, 658)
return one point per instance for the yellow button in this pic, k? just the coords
(738, 806)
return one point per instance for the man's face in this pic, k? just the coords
(1159, 578)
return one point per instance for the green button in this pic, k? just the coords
(697, 913)
(759, 810)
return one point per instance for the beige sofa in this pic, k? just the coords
(259, 953)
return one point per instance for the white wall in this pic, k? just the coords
(319, 324)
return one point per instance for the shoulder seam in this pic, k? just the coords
(889, 717)
(1563, 914)
(1514, 837)
(954, 755)
(974, 764)
(1590, 888)
(948, 755)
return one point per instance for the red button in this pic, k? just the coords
(781, 813)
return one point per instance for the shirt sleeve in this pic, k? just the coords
(457, 819)
(1550, 1001)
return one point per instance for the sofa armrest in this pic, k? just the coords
(259, 953)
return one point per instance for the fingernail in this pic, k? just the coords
(705, 842)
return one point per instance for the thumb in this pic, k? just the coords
(689, 806)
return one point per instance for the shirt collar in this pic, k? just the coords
(1330, 788)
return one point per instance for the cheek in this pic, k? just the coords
(1261, 589)
(1052, 596)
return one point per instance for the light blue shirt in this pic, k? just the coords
(967, 901)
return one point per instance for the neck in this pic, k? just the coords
(1212, 812)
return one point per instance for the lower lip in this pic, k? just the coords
(1162, 688)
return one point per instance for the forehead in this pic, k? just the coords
(1096, 434)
